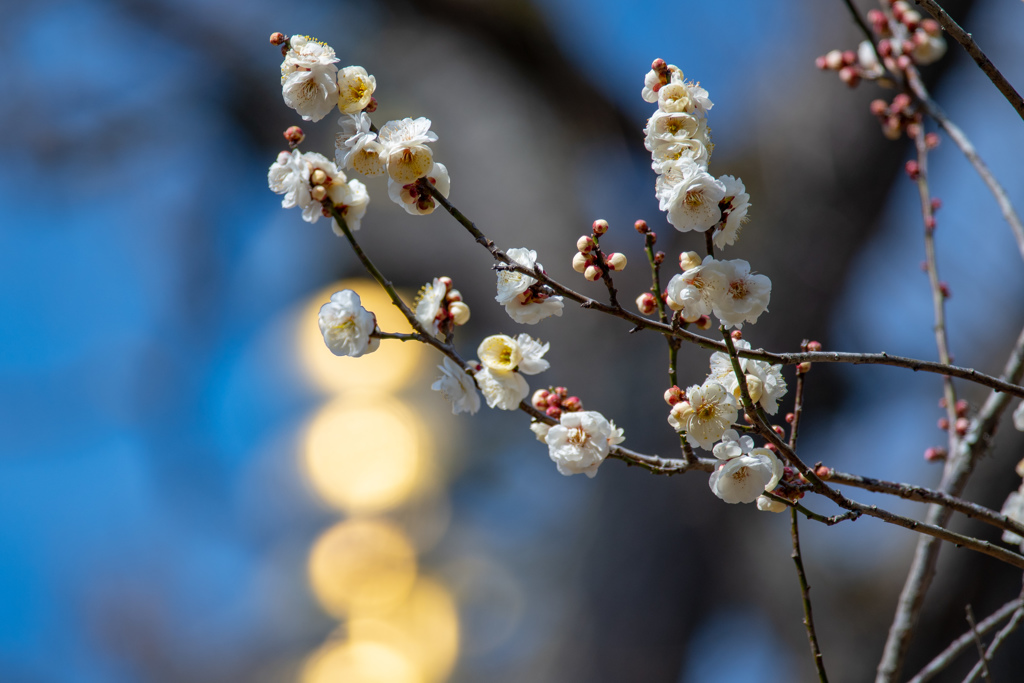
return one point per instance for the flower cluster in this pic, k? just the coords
(678, 137)
(525, 300)
(312, 182)
(765, 383)
(438, 306)
(503, 362)
(745, 473)
(589, 260)
(726, 288)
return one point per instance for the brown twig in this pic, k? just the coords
(805, 596)
(977, 642)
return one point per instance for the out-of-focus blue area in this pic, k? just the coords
(145, 269)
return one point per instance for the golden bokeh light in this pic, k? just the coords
(384, 370)
(366, 456)
(360, 662)
(361, 564)
(424, 627)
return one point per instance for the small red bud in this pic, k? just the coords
(820, 63)
(943, 424)
(961, 408)
(946, 292)
(849, 76)
(746, 418)
(446, 281)
(704, 322)
(962, 424)
(934, 454)
(903, 62)
(823, 472)
(931, 140)
(277, 38)
(372, 106)
(929, 223)
(790, 417)
(849, 58)
(659, 258)
(778, 430)
(884, 48)
(931, 27)
(736, 335)
(936, 204)
(646, 303)
(913, 169)
(641, 227)
(912, 129)
(900, 103)
(659, 64)
(573, 404)
(814, 346)
(803, 368)
(600, 226)
(771, 447)
(553, 411)
(879, 107)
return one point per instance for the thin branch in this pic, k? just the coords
(805, 595)
(958, 646)
(981, 647)
(401, 336)
(960, 139)
(641, 322)
(981, 59)
(921, 494)
(982, 665)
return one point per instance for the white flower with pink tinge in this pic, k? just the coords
(745, 478)
(580, 442)
(745, 296)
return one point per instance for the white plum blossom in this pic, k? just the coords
(351, 200)
(289, 175)
(309, 78)
(732, 445)
(355, 88)
(1018, 417)
(745, 296)
(504, 390)
(540, 430)
(356, 146)
(457, 385)
(687, 97)
(766, 504)
(515, 293)
(532, 352)
(704, 416)
(1014, 509)
(500, 353)
(617, 435)
(578, 444)
(734, 208)
(695, 290)
(931, 49)
(765, 382)
(430, 303)
(328, 176)
(745, 478)
(346, 325)
(417, 202)
(690, 195)
(652, 82)
(405, 148)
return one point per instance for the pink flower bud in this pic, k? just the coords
(673, 395)
(879, 107)
(616, 261)
(903, 62)
(540, 399)
(553, 411)
(936, 204)
(585, 244)
(580, 262)
(294, 136)
(929, 223)
(573, 404)
(934, 454)
(834, 60)
(911, 19)
(736, 335)
(962, 425)
(318, 193)
(931, 27)
(372, 106)
(943, 424)
(931, 140)
(592, 273)
(961, 408)
(688, 260)
(885, 48)
(803, 368)
(849, 58)
(277, 38)
(646, 303)
(814, 346)
(849, 76)
(823, 473)
(820, 62)
(641, 227)
(778, 430)
(704, 322)
(913, 169)
(318, 177)
(600, 226)
(659, 258)
(459, 312)
(790, 418)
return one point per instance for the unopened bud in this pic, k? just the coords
(943, 424)
(704, 322)
(616, 261)
(592, 273)
(755, 387)
(318, 177)
(879, 107)
(553, 411)
(936, 204)
(803, 368)
(822, 472)
(833, 60)
(573, 404)
(318, 193)
(646, 303)
(849, 58)
(641, 227)
(903, 62)
(277, 38)
(962, 425)
(579, 262)
(539, 400)
(814, 346)
(459, 311)
(885, 48)
(778, 430)
(899, 8)
(931, 27)
(945, 290)
(372, 106)
(294, 136)
(659, 258)
(821, 63)
(790, 417)
(961, 408)
(931, 140)
(850, 76)
(673, 395)
(736, 335)
(913, 128)
(911, 19)
(688, 260)
(771, 447)
(585, 244)
(671, 303)
(913, 169)
(692, 317)
(600, 226)
(900, 103)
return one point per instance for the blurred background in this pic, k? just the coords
(193, 489)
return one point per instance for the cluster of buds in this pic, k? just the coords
(851, 66)
(554, 401)
(962, 424)
(589, 259)
(812, 346)
(439, 306)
